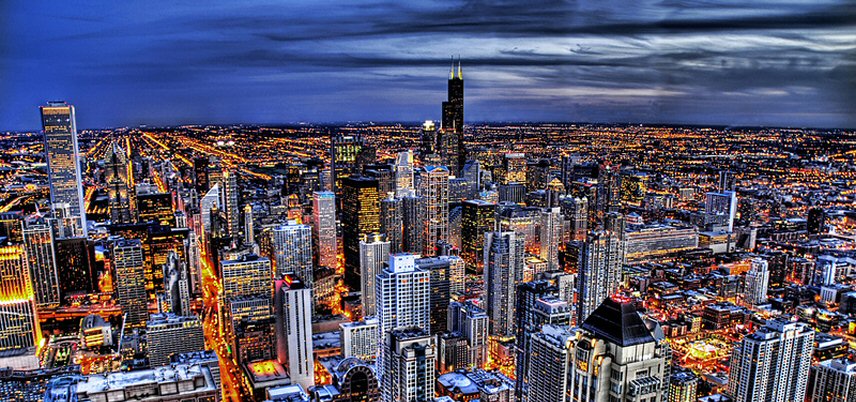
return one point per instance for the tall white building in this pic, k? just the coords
(409, 372)
(756, 281)
(249, 230)
(324, 227)
(229, 201)
(403, 294)
(63, 159)
(772, 364)
(550, 351)
(404, 173)
(503, 270)
(600, 272)
(551, 236)
(834, 381)
(434, 187)
(374, 253)
(292, 247)
(211, 200)
(41, 259)
(293, 311)
(359, 339)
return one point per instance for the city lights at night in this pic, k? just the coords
(453, 201)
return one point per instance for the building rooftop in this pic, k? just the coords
(618, 323)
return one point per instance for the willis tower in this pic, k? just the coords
(452, 140)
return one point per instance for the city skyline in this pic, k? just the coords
(723, 63)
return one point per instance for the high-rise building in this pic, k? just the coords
(345, 153)
(726, 181)
(230, 197)
(374, 254)
(535, 305)
(551, 237)
(292, 251)
(413, 224)
(816, 221)
(41, 259)
(477, 218)
(249, 275)
(834, 381)
(130, 281)
(549, 367)
(209, 202)
(249, 230)
(615, 349)
(77, 276)
(324, 228)
(119, 196)
(453, 121)
(392, 222)
(514, 167)
(772, 364)
(359, 339)
(403, 298)
(155, 207)
(408, 373)
(471, 322)
(503, 269)
(293, 312)
(18, 322)
(434, 187)
(756, 281)
(720, 209)
(404, 173)
(576, 213)
(683, 387)
(169, 334)
(600, 270)
(441, 285)
(360, 217)
(63, 159)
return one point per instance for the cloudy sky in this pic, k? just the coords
(759, 62)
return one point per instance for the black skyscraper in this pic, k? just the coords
(452, 137)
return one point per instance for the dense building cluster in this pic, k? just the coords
(432, 262)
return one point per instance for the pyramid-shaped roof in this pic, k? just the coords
(618, 323)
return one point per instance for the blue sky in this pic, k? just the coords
(765, 62)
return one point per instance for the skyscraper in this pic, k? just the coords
(403, 299)
(413, 224)
(834, 381)
(477, 218)
(551, 236)
(230, 198)
(600, 271)
(403, 173)
(434, 187)
(249, 230)
(756, 282)
(408, 373)
(293, 311)
(514, 165)
(41, 259)
(551, 349)
(119, 196)
(249, 275)
(720, 210)
(471, 322)
(772, 364)
(360, 217)
(127, 256)
(683, 387)
(324, 227)
(63, 159)
(503, 269)
(374, 253)
(18, 323)
(292, 250)
(576, 213)
(392, 222)
(345, 153)
(441, 284)
(453, 117)
(169, 334)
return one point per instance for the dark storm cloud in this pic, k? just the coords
(729, 62)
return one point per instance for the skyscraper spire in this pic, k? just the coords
(452, 69)
(460, 71)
